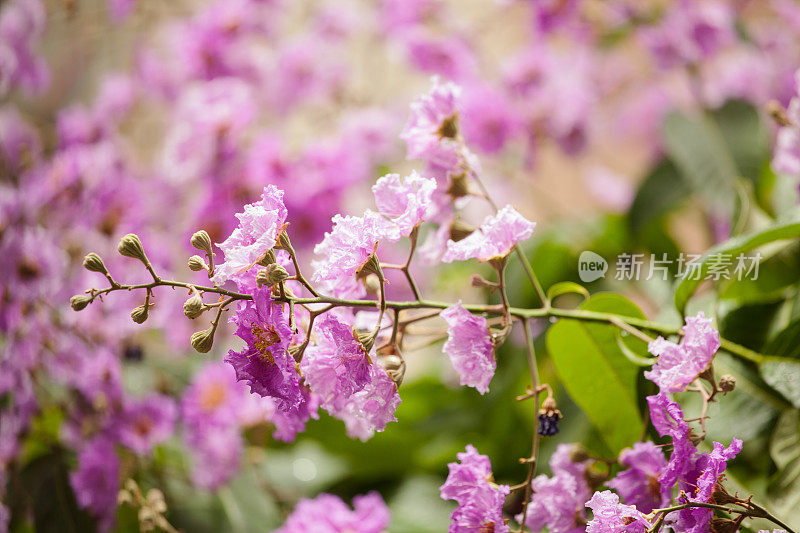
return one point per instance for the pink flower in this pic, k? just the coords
(407, 201)
(431, 120)
(372, 408)
(96, 481)
(338, 366)
(610, 516)
(265, 363)
(346, 249)
(638, 485)
(469, 347)
(690, 32)
(495, 238)
(329, 514)
(558, 501)
(680, 364)
(480, 501)
(259, 226)
(447, 56)
(147, 422)
(488, 119)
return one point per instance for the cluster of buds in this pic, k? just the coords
(152, 506)
(201, 240)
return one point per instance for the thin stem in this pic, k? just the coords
(299, 275)
(535, 440)
(526, 265)
(576, 314)
(760, 512)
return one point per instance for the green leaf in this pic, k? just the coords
(749, 325)
(662, 190)
(732, 247)
(45, 483)
(597, 376)
(784, 489)
(783, 375)
(700, 153)
(745, 136)
(566, 287)
(784, 447)
(787, 342)
(777, 272)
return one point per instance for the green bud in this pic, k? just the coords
(202, 241)
(202, 341)
(271, 275)
(284, 242)
(140, 313)
(131, 246)
(367, 340)
(80, 301)
(93, 263)
(268, 258)
(197, 264)
(193, 307)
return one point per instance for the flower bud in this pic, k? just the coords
(449, 128)
(140, 313)
(578, 454)
(367, 340)
(372, 284)
(370, 266)
(727, 383)
(197, 264)
(155, 500)
(392, 362)
(80, 301)
(284, 243)
(193, 307)
(268, 258)
(271, 275)
(93, 263)
(131, 246)
(202, 341)
(459, 186)
(202, 241)
(459, 230)
(124, 497)
(147, 519)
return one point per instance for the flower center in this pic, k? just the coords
(212, 397)
(264, 339)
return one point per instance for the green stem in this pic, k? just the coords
(522, 313)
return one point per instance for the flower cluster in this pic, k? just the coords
(480, 500)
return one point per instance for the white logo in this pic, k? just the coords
(591, 266)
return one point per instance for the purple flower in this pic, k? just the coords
(667, 418)
(370, 409)
(638, 485)
(786, 158)
(690, 32)
(469, 347)
(447, 56)
(480, 501)
(432, 119)
(259, 226)
(488, 118)
(337, 366)
(265, 363)
(147, 422)
(680, 364)
(215, 455)
(706, 468)
(495, 238)
(96, 481)
(346, 249)
(289, 423)
(610, 516)
(558, 501)
(407, 201)
(329, 514)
